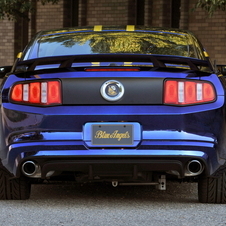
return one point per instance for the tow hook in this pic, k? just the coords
(114, 183)
(162, 183)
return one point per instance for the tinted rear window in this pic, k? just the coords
(116, 42)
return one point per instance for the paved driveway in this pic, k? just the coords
(100, 204)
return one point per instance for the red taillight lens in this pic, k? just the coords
(171, 92)
(17, 94)
(54, 92)
(37, 93)
(184, 92)
(190, 92)
(208, 92)
(34, 94)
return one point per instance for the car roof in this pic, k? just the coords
(129, 28)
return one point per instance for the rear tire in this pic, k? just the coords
(212, 189)
(13, 188)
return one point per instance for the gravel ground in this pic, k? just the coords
(101, 204)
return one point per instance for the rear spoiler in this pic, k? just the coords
(158, 61)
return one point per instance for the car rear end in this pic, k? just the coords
(119, 117)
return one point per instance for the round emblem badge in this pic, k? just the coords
(112, 90)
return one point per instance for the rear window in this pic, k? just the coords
(116, 42)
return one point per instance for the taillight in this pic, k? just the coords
(186, 92)
(37, 93)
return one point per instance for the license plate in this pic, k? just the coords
(112, 134)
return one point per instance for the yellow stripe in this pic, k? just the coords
(19, 55)
(130, 28)
(98, 28)
(128, 63)
(95, 63)
(206, 54)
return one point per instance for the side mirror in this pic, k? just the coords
(222, 69)
(4, 70)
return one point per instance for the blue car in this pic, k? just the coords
(124, 105)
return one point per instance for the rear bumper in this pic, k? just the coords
(169, 137)
(160, 151)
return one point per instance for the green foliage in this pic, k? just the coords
(211, 5)
(13, 9)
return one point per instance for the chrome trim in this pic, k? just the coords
(112, 90)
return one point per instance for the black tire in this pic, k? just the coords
(13, 188)
(212, 189)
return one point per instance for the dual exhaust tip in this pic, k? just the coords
(194, 168)
(32, 169)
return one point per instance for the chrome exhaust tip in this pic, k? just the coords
(31, 169)
(194, 167)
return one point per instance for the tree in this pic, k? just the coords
(14, 9)
(211, 5)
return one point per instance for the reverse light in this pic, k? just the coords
(37, 93)
(187, 92)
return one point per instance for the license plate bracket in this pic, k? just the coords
(112, 134)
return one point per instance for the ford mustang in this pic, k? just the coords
(124, 105)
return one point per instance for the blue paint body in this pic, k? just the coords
(55, 135)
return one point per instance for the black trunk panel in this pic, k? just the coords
(86, 91)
